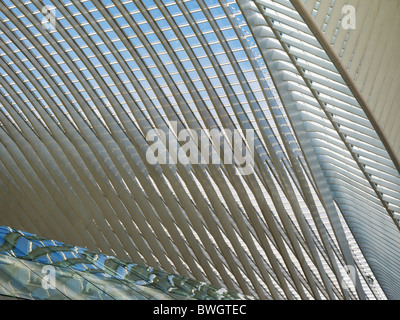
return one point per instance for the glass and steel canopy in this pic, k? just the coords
(84, 84)
(32, 267)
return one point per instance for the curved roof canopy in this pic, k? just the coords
(293, 192)
(33, 267)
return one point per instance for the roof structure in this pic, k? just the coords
(227, 142)
(32, 267)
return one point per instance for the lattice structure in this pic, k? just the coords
(84, 83)
(32, 267)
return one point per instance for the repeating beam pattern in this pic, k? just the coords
(79, 99)
(351, 155)
(368, 51)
